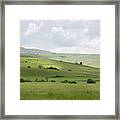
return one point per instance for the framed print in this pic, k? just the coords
(60, 59)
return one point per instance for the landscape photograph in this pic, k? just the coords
(59, 60)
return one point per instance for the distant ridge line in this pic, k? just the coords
(55, 52)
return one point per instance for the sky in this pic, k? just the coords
(61, 36)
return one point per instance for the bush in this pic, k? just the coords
(80, 63)
(59, 76)
(90, 81)
(28, 81)
(54, 68)
(36, 80)
(40, 66)
(42, 80)
(52, 81)
(22, 80)
(69, 70)
(73, 82)
(65, 81)
(28, 66)
(26, 61)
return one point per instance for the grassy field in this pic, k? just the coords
(43, 78)
(92, 60)
(59, 91)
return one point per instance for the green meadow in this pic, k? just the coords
(87, 59)
(59, 91)
(47, 79)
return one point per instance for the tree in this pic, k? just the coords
(28, 66)
(90, 81)
(80, 63)
(40, 66)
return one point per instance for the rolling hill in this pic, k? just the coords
(92, 60)
(42, 77)
(46, 79)
(42, 67)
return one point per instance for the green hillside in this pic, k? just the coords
(92, 60)
(46, 79)
(39, 68)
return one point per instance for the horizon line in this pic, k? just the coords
(57, 52)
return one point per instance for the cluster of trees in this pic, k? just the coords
(75, 62)
(89, 81)
(40, 66)
(53, 68)
(79, 63)
(66, 81)
(22, 80)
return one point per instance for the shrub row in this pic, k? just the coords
(22, 80)
(89, 81)
(53, 68)
(43, 80)
(66, 81)
(40, 66)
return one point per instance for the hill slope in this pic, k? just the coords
(44, 79)
(87, 59)
(41, 68)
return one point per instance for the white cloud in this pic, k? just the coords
(33, 27)
(66, 33)
(80, 49)
(63, 49)
(62, 36)
(92, 43)
(90, 47)
(57, 29)
(86, 30)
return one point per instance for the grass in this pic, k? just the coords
(59, 91)
(87, 59)
(57, 72)
(68, 70)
